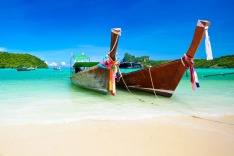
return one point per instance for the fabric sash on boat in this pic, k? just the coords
(111, 65)
(193, 75)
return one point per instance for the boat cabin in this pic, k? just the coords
(80, 66)
(126, 67)
(81, 63)
(130, 65)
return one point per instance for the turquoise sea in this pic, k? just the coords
(47, 96)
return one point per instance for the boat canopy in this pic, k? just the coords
(85, 64)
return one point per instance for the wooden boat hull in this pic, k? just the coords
(163, 79)
(96, 78)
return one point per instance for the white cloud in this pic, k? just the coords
(63, 63)
(53, 64)
(3, 49)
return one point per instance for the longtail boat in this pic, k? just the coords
(22, 69)
(164, 78)
(97, 76)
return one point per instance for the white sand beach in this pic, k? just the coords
(168, 136)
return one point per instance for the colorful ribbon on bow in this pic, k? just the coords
(193, 74)
(111, 65)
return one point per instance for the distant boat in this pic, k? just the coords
(97, 76)
(22, 69)
(32, 68)
(163, 79)
(57, 68)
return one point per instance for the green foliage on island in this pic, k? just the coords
(221, 62)
(12, 60)
(144, 60)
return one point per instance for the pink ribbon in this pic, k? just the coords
(190, 63)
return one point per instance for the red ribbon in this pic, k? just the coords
(108, 64)
(190, 63)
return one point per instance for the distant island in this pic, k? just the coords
(12, 60)
(221, 62)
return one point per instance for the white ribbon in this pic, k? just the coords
(196, 79)
(208, 46)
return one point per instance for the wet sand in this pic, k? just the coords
(169, 136)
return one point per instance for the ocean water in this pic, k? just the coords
(47, 96)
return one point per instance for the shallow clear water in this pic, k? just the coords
(48, 96)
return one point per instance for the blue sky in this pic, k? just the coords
(161, 29)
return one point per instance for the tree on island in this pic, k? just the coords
(12, 60)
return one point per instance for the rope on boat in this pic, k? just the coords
(111, 66)
(152, 83)
(183, 62)
(183, 112)
(121, 76)
(203, 118)
(112, 83)
(114, 44)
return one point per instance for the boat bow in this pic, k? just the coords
(97, 77)
(164, 78)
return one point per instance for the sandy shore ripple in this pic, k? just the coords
(169, 136)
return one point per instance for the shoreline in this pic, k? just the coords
(159, 136)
